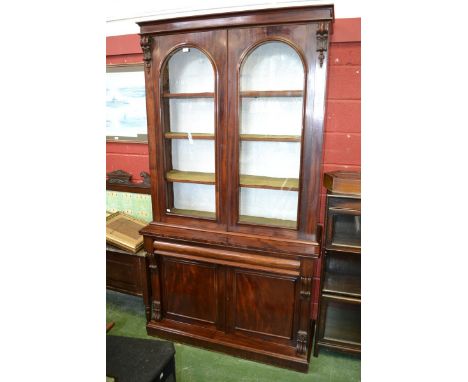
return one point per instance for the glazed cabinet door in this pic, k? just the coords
(186, 125)
(275, 115)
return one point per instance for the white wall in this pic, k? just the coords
(122, 14)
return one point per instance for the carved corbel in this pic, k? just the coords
(301, 345)
(305, 287)
(145, 43)
(322, 41)
(156, 308)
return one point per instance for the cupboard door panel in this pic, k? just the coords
(264, 304)
(189, 290)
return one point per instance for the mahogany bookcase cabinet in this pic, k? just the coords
(235, 108)
(339, 324)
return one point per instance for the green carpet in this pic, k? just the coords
(198, 365)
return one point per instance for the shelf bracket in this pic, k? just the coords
(145, 43)
(322, 40)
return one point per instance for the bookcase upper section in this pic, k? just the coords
(235, 108)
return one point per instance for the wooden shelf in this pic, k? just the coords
(188, 95)
(270, 138)
(254, 181)
(272, 93)
(194, 213)
(190, 177)
(268, 221)
(173, 135)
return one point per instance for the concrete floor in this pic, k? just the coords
(199, 365)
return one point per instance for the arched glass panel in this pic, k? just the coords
(188, 121)
(271, 119)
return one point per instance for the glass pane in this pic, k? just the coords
(188, 113)
(342, 273)
(194, 115)
(346, 230)
(272, 66)
(273, 159)
(271, 120)
(256, 208)
(190, 198)
(271, 115)
(190, 71)
(342, 321)
(193, 155)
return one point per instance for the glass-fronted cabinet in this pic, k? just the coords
(235, 108)
(339, 322)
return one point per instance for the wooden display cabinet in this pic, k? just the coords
(339, 324)
(235, 109)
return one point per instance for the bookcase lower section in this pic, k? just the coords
(249, 304)
(243, 347)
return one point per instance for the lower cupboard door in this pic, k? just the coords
(263, 305)
(189, 291)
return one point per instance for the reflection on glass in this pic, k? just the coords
(271, 119)
(188, 85)
(343, 322)
(342, 274)
(346, 230)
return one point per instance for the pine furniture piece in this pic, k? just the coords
(235, 109)
(339, 323)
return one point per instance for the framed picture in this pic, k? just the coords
(125, 104)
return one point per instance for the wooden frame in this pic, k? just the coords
(241, 273)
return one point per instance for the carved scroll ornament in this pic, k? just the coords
(145, 44)
(322, 41)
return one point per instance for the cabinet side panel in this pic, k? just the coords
(189, 290)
